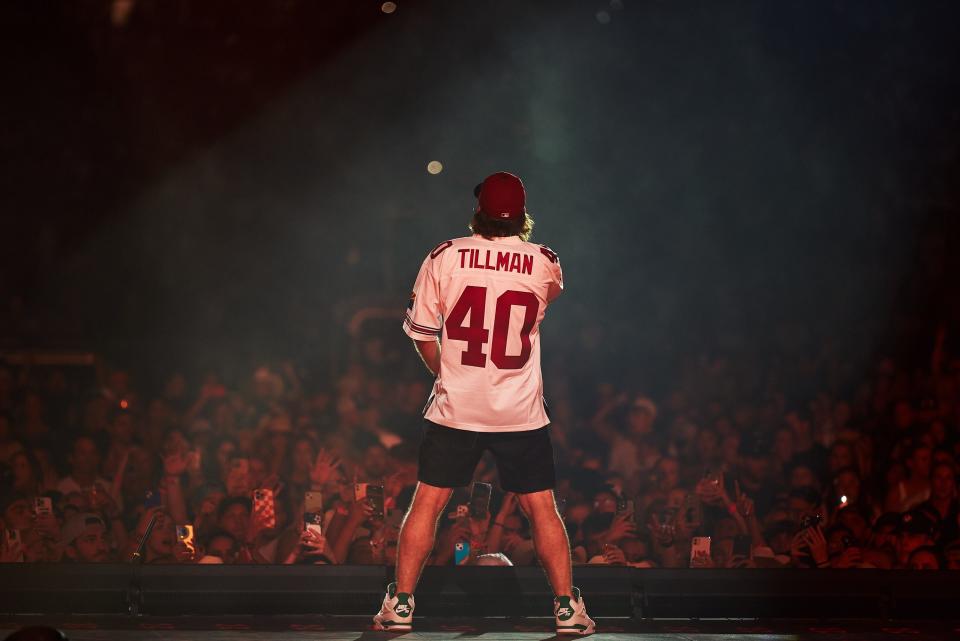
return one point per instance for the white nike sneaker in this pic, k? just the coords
(396, 613)
(571, 614)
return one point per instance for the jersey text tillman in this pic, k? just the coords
(502, 262)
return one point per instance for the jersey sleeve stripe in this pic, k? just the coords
(421, 332)
(422, 328)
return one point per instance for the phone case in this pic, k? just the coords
(185, 534)
(359, 491)
(480, 500)
(699, 548)
(313, 512)
(375, 498)
(461, 552)
(263, 507)
(312, 502)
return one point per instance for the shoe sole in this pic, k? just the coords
(396, 627)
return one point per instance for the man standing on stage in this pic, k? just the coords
(474, 316)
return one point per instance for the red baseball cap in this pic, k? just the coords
(501, 196)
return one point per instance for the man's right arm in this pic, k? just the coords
(429, 352)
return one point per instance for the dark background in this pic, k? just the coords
(213, 182)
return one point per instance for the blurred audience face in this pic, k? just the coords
(730, 448)
(756, 467)
(138, 476)
(884, 537)
(162, 538)
(122, 428)
(24, 475)
(668, 473)
(841, 414)
(708, 444)
(847, 484)
(6, 429)
(907, 542)
(577, 512)
(224, 547)
(604, 502)
(85, 458)
(225, 452)
(235, 520)
(919, 463)
(721, 550)
(38, 548)
(375, 462)
(841, 456)
(240, 481)
(798, 508)
(854, 521)
(91, 545)
(18, 515)
(923, 560)
(95, 415)
(943, 483)
(634, 550)
(802, 476)
(902, 415)
(304, 455)
(640, 421)
(174, 442)
(798, 425)
(952, 557)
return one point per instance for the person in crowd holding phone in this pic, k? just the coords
(474, 316)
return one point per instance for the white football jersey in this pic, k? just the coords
(485, 299)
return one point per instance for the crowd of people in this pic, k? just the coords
(729, 469)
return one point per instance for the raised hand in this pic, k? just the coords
(849, 558)
(818, 545)
(663, 533)
(745, 504)
(711, 492)
(508, 506)
(614, 555)
(621, 526)
(313, 543)
(324, 467)
(184, 553)
(701, 559)
(12, 553)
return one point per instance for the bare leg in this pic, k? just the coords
(549, 539)
(418, 534)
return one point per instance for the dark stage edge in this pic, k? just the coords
(60, 590)
(355, 628)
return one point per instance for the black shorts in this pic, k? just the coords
(448, 457)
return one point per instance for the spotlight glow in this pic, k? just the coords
(603, 17)
(434, 167)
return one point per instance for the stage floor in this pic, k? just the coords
(340, 628)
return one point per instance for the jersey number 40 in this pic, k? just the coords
(473, 300)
